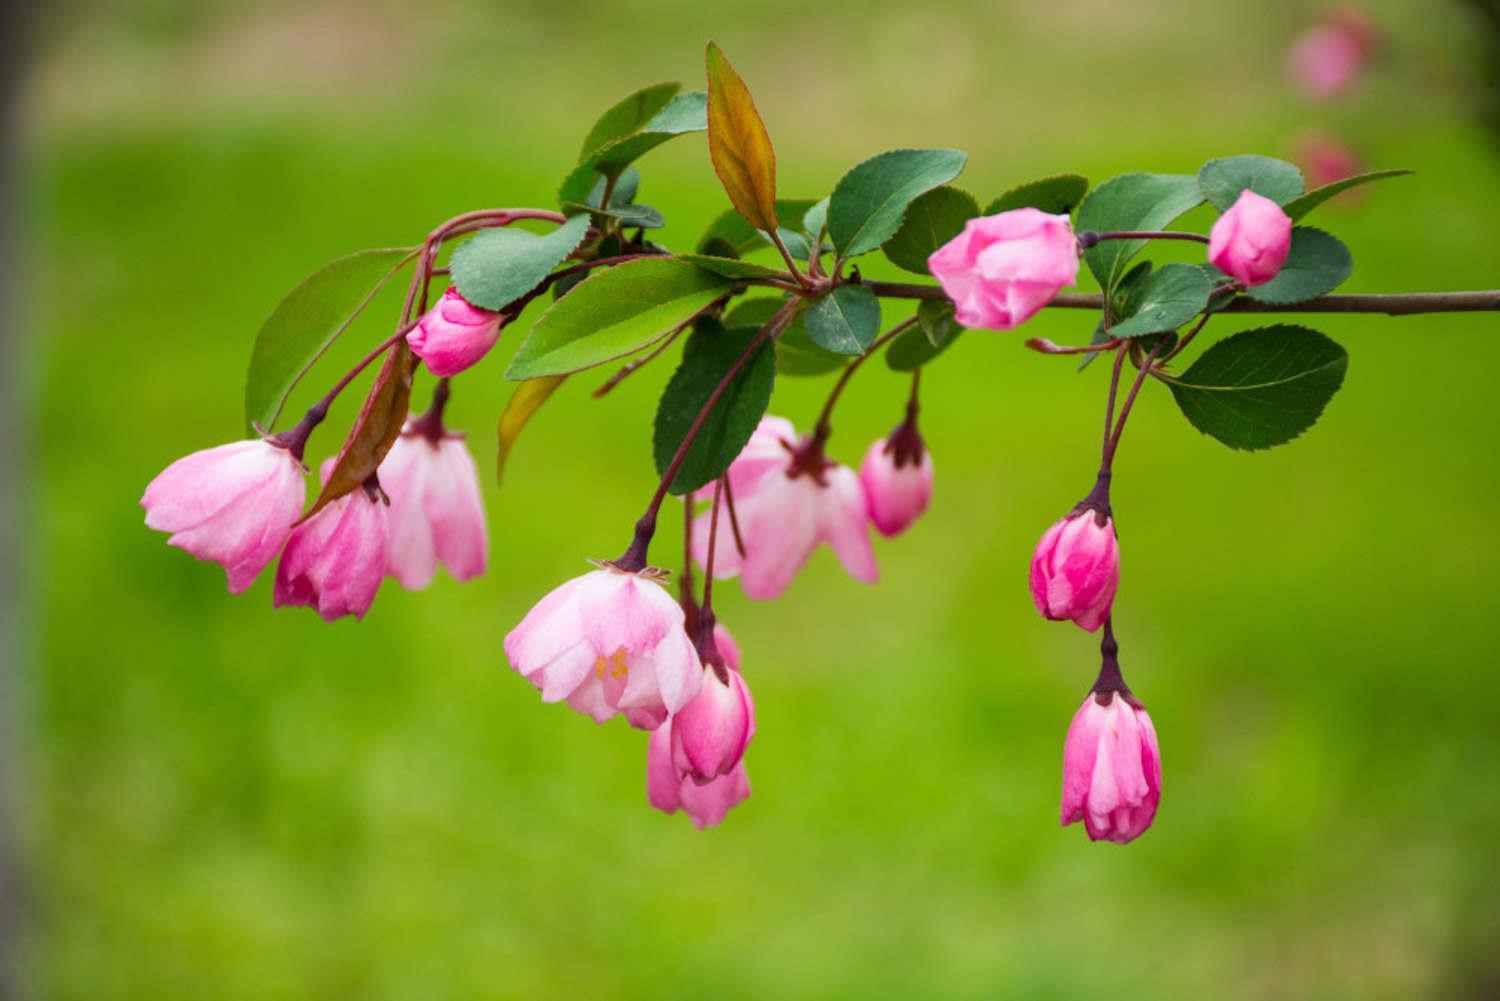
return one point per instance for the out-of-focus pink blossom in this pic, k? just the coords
(233, 504)
(1326, 60)
(1251, 239)
(1111, 768)
(1076, 569)
(1325, 158)
(454, 334)
(436, 513)
(785, 511)
(334, 561)
(897, 485)
(607, 642)
(1003, 268)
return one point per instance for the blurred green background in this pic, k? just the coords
(223, 801)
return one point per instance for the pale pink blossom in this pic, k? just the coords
(1326, 60)
(669, 792)
(897, 485)
(233, 504)
(607, 642)
(710, 733)
(1076, 569)
(1003, 268)
(333, 561)
(785, 511)
(454, 334)
(436, 513)
(1251, 239)
(1111, 768)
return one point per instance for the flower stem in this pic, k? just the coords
(823, 429)
(1388, 303)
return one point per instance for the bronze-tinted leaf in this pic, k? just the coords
(376, 428)
(738, 144)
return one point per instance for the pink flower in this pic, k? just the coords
(1326, 59)
(710, 733)
(1111, 768)
(334, 560)
(436, 514)
(454, 334)
(1076, 569)
(897, 485)
(233, 504)
(609, 642)
(1325, 158)
(787, 503)
(1251, 240)
(668, 792)
(1003, 268)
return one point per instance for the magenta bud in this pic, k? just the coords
(454, 334)
(1251, 239)
(1003, 268)
(1076, 569)
(897, 485)
(710, 733)
(1111, 768)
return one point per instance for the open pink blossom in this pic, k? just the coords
(608, 642)
(666, 790)
(1327, 59)
(454, 334)
(436, 513)
(333, 561)
(1076, 569)
(1003, 268)
(233, 504)
(897, 485)
(1111, 768)
(1251, 240)
(785, 511)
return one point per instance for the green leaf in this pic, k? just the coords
(730, 267)
(815, 219)
(1261, 387)
(1057, 194)
(797, 355)
(632, 215)
(710, 353)
(730, 235)
(739, 145)
(932, 220)
(1222, 181)
(1136, 201)
(627, 117)
(1317, 263)
(1299, 207)
(845, 321)
(795, 242)
(935, 330)
(525, 401)
(308, 321)
(375, 430)
(498, 266)
(614, 312)
(683, 114)
(1164, 300)
(869, 202)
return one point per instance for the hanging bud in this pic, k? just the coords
(897, 478)
(436, 511)
(710, 733)
(1076, 567)
(333, 561)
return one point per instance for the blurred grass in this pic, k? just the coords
(225, 801)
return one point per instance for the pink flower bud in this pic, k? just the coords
(234, 505)
(711, 732)
(785, 511)
(897, 485)
(454, 334)
(1003, 268)
(1251, 240)
(1326, 60)
(669, 792)
(1076, 569)
(1111, 768)
(609, 642)
(334, 560)
(436, 513)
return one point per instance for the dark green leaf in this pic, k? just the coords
(730, 267)
(1317, 263)
(629, 215)
(1261, 387)
(755, 312)
(1057, 194)
(730, 231)
(1132, 202)
(710, 353)
(1164, 300)
(796, 354)
(375, 429)
(1299, 207)
(614, 312)
(498, 266)
(627, 117)
(935, 330)
(845, 321)
(869, 202)
(684, 113)
(1222, 181)
(307, 321)
(932, 220)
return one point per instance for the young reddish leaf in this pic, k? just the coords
(738, 144)
(524, 402)
(375, 430)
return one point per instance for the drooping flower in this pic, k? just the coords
(333, 561)
(1327, 59)
(606, 642)
(454, 334)
(897, 482)
(1111, 768)
(1076, 569)
(710, 733)
(788, 500)
(436, 512)
(1003, 268)
(706, 804)
(1251, 239)
(233, 504)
